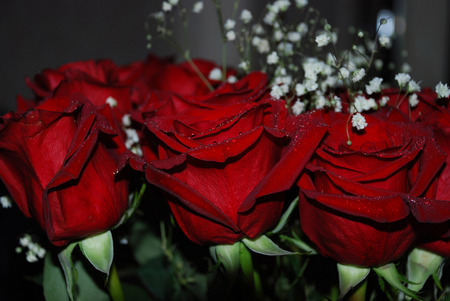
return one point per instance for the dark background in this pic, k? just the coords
(46, 34)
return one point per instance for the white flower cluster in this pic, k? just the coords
(442, 90)
(132, 140)
(35, 251)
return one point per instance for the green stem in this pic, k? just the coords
(359, 294)
(247, 272)
(114, 286)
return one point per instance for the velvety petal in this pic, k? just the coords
(353, 240)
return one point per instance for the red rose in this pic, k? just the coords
(249, 89)
(439, 119)
(97, 81)
(163, 75)
(58, 165)
(360, 202)
(227, 164)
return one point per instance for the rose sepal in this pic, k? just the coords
(70, 273)
(350, 277)
(390, 274)
(265, 246)
(422, 264)
(228, 256)
(99, 250)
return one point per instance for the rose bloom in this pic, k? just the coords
(164, 75)
(58, 162)
(359, 203)
(227, 161)
(439, 240)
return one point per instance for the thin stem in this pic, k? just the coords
(360, 292)
(247, 271)
(218, 5)
(114, 285)
(199, 73)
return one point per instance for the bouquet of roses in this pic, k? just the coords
(277, 167)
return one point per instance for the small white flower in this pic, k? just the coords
(302, 28)
(174, 2)
(384, 41)
(246, 16)
(244, 65)
(278, 35)
(413, 100)
(344, 73)
(25, 240)
(358, 121)
(363, 104)
(262, 45)
(126, 120)
(231, 35)
(281, 5)
(270, 18)
(232, 79)
(406, 68)
(5, 201)
(300, 90)
(198, 7)
(321, 101)
(358, 74)
(132, 138)
(258, 29)
(166, 6)
(294, 36)
(272, 58)
(229, 24)
(413, 86)
(301, 3)
(384, 100)
(276, 92)
(402, 79)
(323, 40)
(31, 256)
(360, 34)
(337, 104)
(379, 64)
(310, 85)
(111, 101)
(298, 107)
(374, 85)
(442, 90)
(286, 48)
(215, 74)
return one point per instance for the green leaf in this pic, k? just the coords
(350, 277)
(88, 289)
(146, 245)
(55, 288)
(155, 275)
(70, 273)
(264, 245)
(285, 216)
(99, 250)
(390, 274)
(135, 293)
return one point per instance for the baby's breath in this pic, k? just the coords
(358, 121)
(442, 90)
